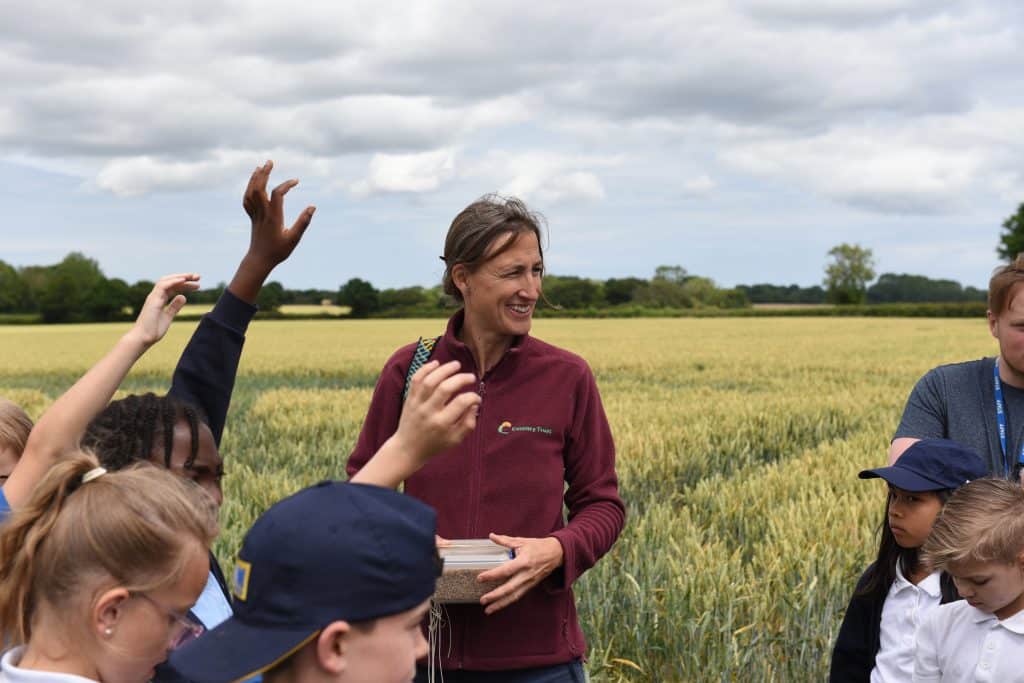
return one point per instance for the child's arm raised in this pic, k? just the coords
(435, 417)
(270, 244)
(205, 375)
(60, 429)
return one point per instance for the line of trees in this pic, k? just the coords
(76, 290)
(852, 267)
(671, 287)
(888, 288)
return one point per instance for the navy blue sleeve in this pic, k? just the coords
(205, 375)
(853, 656)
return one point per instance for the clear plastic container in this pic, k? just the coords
(464, 559)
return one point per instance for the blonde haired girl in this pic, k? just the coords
(97, 572)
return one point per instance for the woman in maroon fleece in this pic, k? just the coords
(540, 424)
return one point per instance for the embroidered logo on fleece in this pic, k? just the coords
(507, 427)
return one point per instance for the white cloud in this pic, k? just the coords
(841, 12)
(575, 185)
(884, 175)
(1009, 186)
(133, 176)
(933, 165)
(545, 177)
(413, 173)
(138, 175)
(699, 186)
(611, 117)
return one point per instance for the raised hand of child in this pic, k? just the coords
(270, 243)
(437, 414)
(61, 427)
(162, 304)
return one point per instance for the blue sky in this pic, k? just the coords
(739, 139)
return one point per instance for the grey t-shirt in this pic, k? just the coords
(957, 402)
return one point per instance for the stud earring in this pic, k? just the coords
(108, 632)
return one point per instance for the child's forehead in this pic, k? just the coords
(904, 492)
(970, 567)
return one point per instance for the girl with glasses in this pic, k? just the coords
(97, 572)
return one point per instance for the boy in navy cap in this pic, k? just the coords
(331, 584)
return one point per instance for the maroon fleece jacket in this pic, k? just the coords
(540, 424)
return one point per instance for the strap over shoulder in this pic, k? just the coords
(420, 357)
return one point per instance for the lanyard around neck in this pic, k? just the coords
(1001, 418)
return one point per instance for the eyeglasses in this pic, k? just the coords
(184, 629)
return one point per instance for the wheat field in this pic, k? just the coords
(739, 442)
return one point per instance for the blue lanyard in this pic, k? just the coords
(1001, 418)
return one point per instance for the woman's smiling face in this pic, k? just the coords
(500, 295)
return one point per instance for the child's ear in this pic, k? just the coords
(107, 612)
(332, 647)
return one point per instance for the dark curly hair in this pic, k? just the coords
(128, 429)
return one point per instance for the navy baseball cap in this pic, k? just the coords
(930, 465)
(332, 552)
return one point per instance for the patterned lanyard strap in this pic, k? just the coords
(424, 349)
(1001, 418)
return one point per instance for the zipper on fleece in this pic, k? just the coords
(476, 459)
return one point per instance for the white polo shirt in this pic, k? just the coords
(958, 642)
(905, 607)
(10, 673)
(212, 608)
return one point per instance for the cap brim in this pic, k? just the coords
(902, 478)
(235, 651)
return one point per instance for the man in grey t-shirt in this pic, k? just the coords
(961, 401)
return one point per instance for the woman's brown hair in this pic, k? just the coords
(477, 227)
(127, 528)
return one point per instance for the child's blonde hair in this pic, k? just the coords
(130, 528)
(15, 425)
(983, 522)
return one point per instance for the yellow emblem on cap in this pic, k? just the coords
(242, 571)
